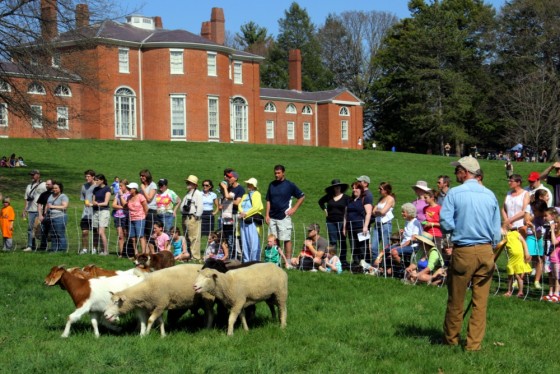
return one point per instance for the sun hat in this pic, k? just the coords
(252, 181)
(423, 185)
(334, 183)
(426, 238)
(192, 179)
(534, 176)
(132, 185)
(469, 163)
(313, 226)
(363, 178)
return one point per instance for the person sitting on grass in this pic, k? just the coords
(518, 260)
(332, 262)
(161, 239)
(272, 251)
(178, 245)
(217, 247)
(313, 251)
(429, 267)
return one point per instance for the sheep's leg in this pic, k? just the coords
(75, 316)
(161, 327)
(209, 313)
(244, 320)
(233, 313)
(156, 314)
(271, 302)
(142, 319)
(94, 324)
(283, 311)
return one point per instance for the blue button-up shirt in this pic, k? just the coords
(471, 213)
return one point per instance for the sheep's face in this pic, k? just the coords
(112, 310)
(206, 281)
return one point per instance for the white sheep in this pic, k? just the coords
(246, 286)
(165, 289)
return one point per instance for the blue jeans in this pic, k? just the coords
(336, 236)
(168, 221)
(58, 235)
(359, 248)
(381, 231)
(31, 216)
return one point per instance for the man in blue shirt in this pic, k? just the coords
(471, 214)
(279, 210)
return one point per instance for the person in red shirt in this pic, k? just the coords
(431, 212)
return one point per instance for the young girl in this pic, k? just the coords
(431, 212)
(332, 263)
(551, 216)
(534, 220)
(161, 238)
(178, 245)
(272, 251)
(217, 248)
(429, 268)
(518, 260)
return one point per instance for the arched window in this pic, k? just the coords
(62, 90)
(344, 111)
(291, 109)
(270, 107)
(240, 121)
(307, 110)
(36, 89)
(125, 112)
(4, 86)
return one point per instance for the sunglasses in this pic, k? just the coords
(205, 185)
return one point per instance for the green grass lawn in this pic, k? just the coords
(347, 323)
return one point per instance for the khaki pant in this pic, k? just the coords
(191, 228)
(476, 264)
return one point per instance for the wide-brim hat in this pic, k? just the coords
(423, 185)
(192, 179)
(426, 238)
(335, 183)
(252, 181)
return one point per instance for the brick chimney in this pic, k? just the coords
(205, 30)
(49, 27)
(158, 22)
(218, 26)
(294, 69)
(82, 15)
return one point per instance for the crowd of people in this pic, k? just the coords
(12, 161)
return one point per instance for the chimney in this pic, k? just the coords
(49, 27)
(82, 16)
(294, 69)
(217, 26)
(158, 22)
(205, 30)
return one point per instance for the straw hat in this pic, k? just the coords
(192, 179)
(426, 238)
(423, 185)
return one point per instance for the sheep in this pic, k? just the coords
(246, 286)
(93, 271)
(163, 289)
(158, 261)
(89, 295)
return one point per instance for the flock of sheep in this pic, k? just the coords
(108, 294)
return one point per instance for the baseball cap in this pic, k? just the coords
(469, 163)
(34, 171)
(132, 185)
(363, 178)
(313, 226)
(162, 182)
(534, 176)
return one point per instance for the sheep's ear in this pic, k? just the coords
(215, 276)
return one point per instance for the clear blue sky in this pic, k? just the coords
(189, 14)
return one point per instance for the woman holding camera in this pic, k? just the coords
(191, 208)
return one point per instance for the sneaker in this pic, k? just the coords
(514, 285)
(547, 297)
(313, 270)
(533, 272)
(93, 251)
(289, 267)
(373, 271)
(365, 265)
(538, 285)
(83, 251)
(28, 249)
(103, 254)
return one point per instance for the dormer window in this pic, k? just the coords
(36, 89)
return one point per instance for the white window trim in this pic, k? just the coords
(307, 110)
(269, 129)
(291, 135)
(55, 60)
(37, 116)
(214, 56)
(307, 135)
(6, 121)
(344, 111)
(182, 64)
(133, 129)
(36, 89)
(270, 107)
(122, 68)
(291, 109)
(66, 117)
(344, 129)
(217, 130)
(62, 91)
(238, 73)
(5, 86)
(245, 129)
(177, 96)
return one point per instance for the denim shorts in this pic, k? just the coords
(137, 228)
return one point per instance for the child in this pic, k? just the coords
(178, 245)
(518, 261)
(115, 186)
(429, 268)
(431, 211)
(217, 248)
(332, 263)
(7, 217)
(272, 251)
(551, 216)
(534, 220)
(161, 238)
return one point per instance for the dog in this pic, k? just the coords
(158, 261)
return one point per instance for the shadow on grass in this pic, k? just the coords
(434, 336)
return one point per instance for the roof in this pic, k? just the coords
(314, 97)
(36, 71)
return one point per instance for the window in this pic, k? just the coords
(212, 68)
(291, 130)
(240, 122)
(3, 115)
(291, 109)
(123, 60)
(213, 118)
(62, 117)
(307, 110)
(270, 129)
(176, 61)
(36, 89)
(237, 72)
(178, 116)
(36, 116)
(344, 111)
(125, 112)
(306, 131)
(270, 107)
(62, 90)
(4, 86)
(344, 130)
(56, 60)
